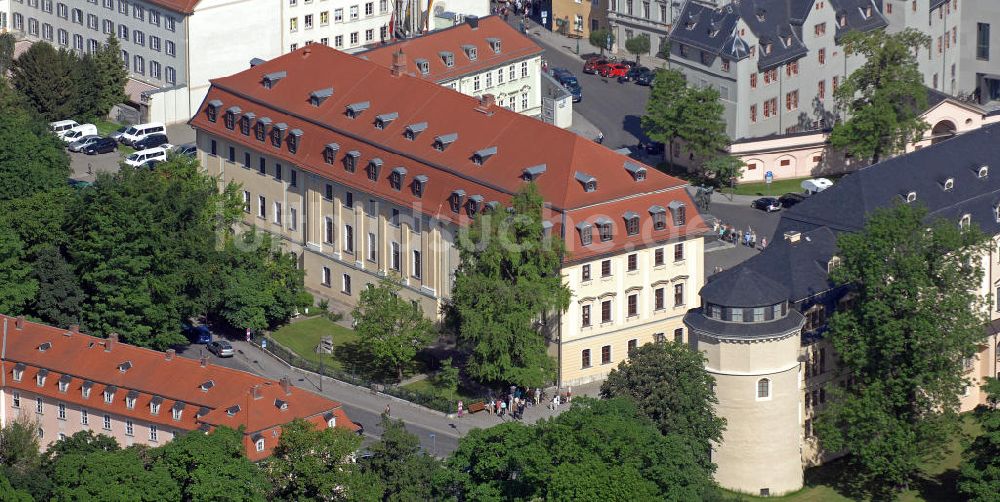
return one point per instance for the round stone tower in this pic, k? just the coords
(750, 338)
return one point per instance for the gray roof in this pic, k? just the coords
(447, 138)
(744, 330)
(856, 21)
(709, 28)
(773, 23)
(743, 287)
(416, 128)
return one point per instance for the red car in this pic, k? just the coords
(593, 64)
(613, 70)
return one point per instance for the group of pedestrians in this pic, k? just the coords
(516, 7)
(747, 237)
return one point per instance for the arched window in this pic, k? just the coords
(763, 388)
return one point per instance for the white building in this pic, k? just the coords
(344, 24)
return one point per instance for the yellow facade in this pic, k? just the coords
(579, 17)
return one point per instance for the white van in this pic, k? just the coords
(62, 126)
(816, 185)
(140, 131)
(139, 159)
(79, 132)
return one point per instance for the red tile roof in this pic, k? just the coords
(147, 374)
(513, 47)
(182, 6)
(521, 142)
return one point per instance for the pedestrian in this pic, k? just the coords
(569, 394)
(90, 168)
(763, 243)
(503, 408)
(538, 395)
(489, 406)
(460, 409)
(386, 413)
(600, 138)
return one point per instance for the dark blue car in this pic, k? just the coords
(569, 81)
(198, 334)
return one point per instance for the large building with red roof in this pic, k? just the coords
(68, 382)
(364, 170)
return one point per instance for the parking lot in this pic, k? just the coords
(85, 167)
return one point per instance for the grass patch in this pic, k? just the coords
(106, 127)
(776, 188)
(427, 386)
(302, 337)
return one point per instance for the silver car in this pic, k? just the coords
(188, 149)
(84, 142)
(221, 348)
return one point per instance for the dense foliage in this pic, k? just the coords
(508, 281)
(391, 329)
(979, 478)
(916, 317)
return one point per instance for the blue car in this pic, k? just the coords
(569, 81)
(198, 334)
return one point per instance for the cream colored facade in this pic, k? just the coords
(661, 290)
(517, 85)
(579, 17)
(347, 25)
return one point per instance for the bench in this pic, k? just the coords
(476, 407)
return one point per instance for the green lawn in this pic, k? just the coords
(777, 187)
(302, 337)
(426, 386)
(105, 127)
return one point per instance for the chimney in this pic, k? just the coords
(170, 354)
(255, 392)
(472, 21)
(286, 385)
(110, 342)
(306, 51)
(204, 361)
(792, 236)
(486, 102)
(398, 63)
(19, 322)
(74, 328)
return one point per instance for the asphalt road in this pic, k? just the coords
(740, 215)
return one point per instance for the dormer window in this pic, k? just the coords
(494, 44)
(532, 173)
(589, 182)
(331, 422)
(456, 200)
(984, 171)
(85, 389)
(842, 20)
(659, 215)
(604, 229)
(125, 366)
(491, 207)
(949, 184)
(586, 233)
(470, 52)
(212, 110)
(413, 130)
(679, 212)
(260, 129)
(317, 97)
(351, 161)
(45, 346)
(271, 79)
(281, 405)
(448, 58)
(996, 212)
(912, 196)
(233, 410)
(965, 221)
(481, 156)
(40, 377)
(374, 167)
(418, 185)
(475, 203)
(130, 399)
(64, 383)
(787, 40)
(177, 411)
(631, 223)
(385, 119)
(638, 172)
(245, 121)
(423, 66)
(109, 395)
(866, 12)
(354, 110)
(19, 371)
(207, 385)
(768, 47)
(278, 132)
(293, 140)
(154, 405)
(330, 152)
(761, 15)
(230, 119)
(690, 24)
(442, 142)
(397, 177)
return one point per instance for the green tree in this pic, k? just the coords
(508, 280)
(313, 464)
(600, 39)
(702, 126)
(406, 472)
(17, 286)
(637, 46)
(724, 169)
(597, 450)
(80, 443)
(211, 466)
(391, 329)
(883, 99)
(44, 76)
(32, 160)
(917, 315)
(119, 475)
(38, 218)
(664, 116)
(669, 384)
(88, 91)
(979, 478)
(59, 298)
(7, 40)
(20, 461)
(447, 377)
(111, 76)
(9, 494)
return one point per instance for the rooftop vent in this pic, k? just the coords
(318, 96)
(948, 184)
(413, 130)
(233, 410)
(423, 66)
(637, 171)
(271, 79)
(983, 171)
(355, 109)
(207, 385)
(441, 142)
(494, 44)
(257, 62)
(911, 196)
(483, 155)
(281, 405)
(532, 173)
(792, 236)
(385, 119)
(448, 58)
(125, 366)
(470, 51)
(45, 346)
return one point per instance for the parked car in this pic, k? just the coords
(61, 127)
(140, 131)
(768, 204)
(84, 142)
(102, 145)
(188, 149)
(79, 132)
(645, 78)
(141, 158)
(221, 348)
(816, 185)
(569, 81)
(791, 199)
(151, 141)
(613, 70)
(117, 135)
(633, 72)
(593, 63)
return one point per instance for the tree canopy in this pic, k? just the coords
(916, 316)
(979, 478)
(637, 46)
(508, 281)
(883, 99)
(32, 160)
(391, 329)
(406, 472)
(691, 115)
(599, 39)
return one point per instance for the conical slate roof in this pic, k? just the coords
(743, 287)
